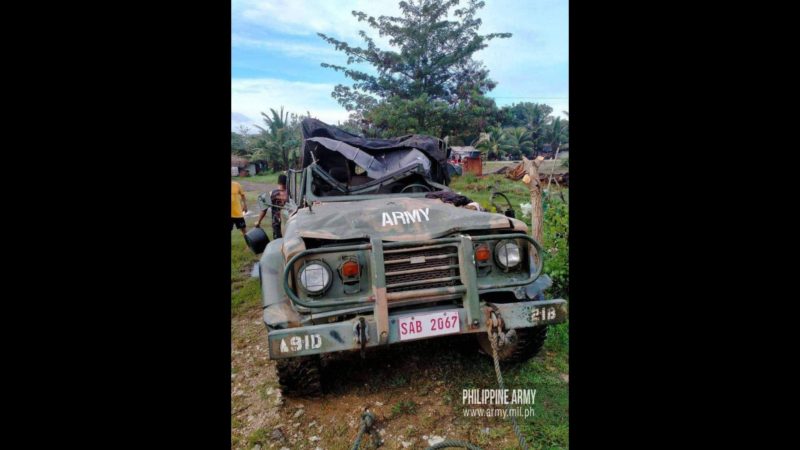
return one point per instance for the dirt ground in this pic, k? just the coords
(255, 187)
(414, 389)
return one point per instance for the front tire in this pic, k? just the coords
(300, 377)
(524, 344)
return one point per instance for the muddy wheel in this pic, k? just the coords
(300, 377)
(524, 344)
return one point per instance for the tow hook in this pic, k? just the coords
(360, 335)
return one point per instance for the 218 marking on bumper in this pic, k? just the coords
(542, 313)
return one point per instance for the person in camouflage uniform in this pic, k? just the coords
(277, 198)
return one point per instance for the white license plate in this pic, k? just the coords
(430, 324)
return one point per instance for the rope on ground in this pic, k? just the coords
(454, 444)
(367, 419)
(493, 341)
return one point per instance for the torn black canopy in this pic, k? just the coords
(429, 146)
(381, 165)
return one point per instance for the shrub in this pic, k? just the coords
(555, 238)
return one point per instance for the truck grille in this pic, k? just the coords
(421, 268)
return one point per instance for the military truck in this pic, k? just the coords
(373, 254)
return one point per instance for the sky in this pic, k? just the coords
(276, 54)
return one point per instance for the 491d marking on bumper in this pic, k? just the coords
(297, 343)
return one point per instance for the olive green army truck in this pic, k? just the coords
(375, 252)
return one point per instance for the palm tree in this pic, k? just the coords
(517, 141)
(490, 142)
(278, 139)
(557, 133)
(536, 117)
(277, 121)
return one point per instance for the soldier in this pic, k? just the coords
(277, 198)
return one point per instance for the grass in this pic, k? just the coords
(549, 428)
(264, 177)
(397, 381)
(404, 407)
(245, 291)
(547, 166)
(479, 189)
(260, 436)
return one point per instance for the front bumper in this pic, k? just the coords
(343, 336)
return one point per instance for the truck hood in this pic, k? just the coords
(398, 219)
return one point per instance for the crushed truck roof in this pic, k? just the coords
(380, 155)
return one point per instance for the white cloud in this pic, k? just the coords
(531, 65)
(252, 96)
(534, 62)
(540, 27)
(289, 48)
(307, 17)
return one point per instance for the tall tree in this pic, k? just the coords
(432, 75)
(278, 140)
(490, 143)
(557, 133)
(238, 145)
(533, 116)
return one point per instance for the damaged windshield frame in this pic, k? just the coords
(361, 191)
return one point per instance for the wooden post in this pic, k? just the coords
(531, 178)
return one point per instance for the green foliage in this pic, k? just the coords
(404, 407)
(241, 142)
(429, 72)
(555, 231)
(555, 239)
(556, 133)
(265, 178)
(489, 144)
(245, 291)
(526, 114)
(398, 381)
(238, 144)
(516, 142)
(549, 426)
(535, 118)
(397, 116)
(280, 142)
(261, 437)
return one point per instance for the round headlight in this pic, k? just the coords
(508, 254)
(315, 277)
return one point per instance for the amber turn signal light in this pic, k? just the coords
(350, 269)
(482, 253)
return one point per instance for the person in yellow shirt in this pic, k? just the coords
(238, 207)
